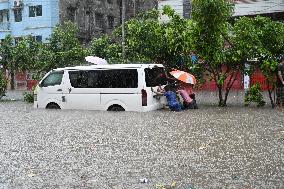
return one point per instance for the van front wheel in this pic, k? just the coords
(52, 106)
(116, 108)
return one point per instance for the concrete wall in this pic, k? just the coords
(84, 12)
(242, 7)
(254, 7)
(177, 5)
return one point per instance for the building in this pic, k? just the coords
(97, 17)
(271, 8)
(28, 17)
(38, 17)
(93, 17)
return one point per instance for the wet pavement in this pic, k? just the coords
(211, 147)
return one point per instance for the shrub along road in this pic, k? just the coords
(211, 147)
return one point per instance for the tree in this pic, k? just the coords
(261, 38)
(211, 32)
(148, 40)
(8, 58)
(22, 56)
(3, 84)
(271, 35)
(27, 54)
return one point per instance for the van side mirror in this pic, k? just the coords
(40, 84)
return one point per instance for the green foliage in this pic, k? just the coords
(28, 96)
(148, 40)
(254, 95)
(261, 38)
(211, 23)
(20, 56)
(7, 52)
(63, 49)
(26, 54)
(104, 47)
(3, 85)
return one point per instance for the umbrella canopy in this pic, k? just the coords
(96, 60)
(184, 76)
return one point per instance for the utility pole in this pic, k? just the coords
(123, 29)
(134, 8)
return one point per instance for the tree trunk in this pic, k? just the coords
(229, 86)
(12, 83)
(271, 99)
(226, 96)
(221, 101)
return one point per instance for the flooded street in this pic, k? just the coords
(211, 147)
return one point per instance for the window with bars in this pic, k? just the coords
(110, 20)
(4, 15)
(18, 39)
(99, 20)
(35, 11)
(18, 15)
(38, 38)
(71, 14)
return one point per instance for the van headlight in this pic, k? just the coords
(35, 97)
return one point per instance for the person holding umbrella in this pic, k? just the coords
(188, 102)
(186, 83)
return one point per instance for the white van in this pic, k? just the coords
(119, 87)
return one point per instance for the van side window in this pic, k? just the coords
(119, 78)
(152, 76)
(84, 79)
(54, 78)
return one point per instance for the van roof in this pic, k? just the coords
(110, 66)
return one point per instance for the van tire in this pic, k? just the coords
(116, 108)
(53, 106)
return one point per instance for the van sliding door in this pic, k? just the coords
(82, 90)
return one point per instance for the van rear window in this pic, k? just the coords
(117, 78)
(152, 76)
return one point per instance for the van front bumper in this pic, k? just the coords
(35, 104)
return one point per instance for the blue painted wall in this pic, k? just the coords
(35, 26)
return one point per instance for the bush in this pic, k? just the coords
(29, 96)
(3, 85)
(254, 95)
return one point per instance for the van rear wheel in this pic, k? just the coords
(116, 108)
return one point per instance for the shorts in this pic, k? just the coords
(191, 105)
(279, 95)
(175, 107)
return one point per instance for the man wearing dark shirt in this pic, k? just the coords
(280, 84)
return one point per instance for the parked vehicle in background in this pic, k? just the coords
(119, 87)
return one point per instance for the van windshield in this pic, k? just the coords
(152, 76)
(54, 78)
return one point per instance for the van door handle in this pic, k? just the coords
(59, 90)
